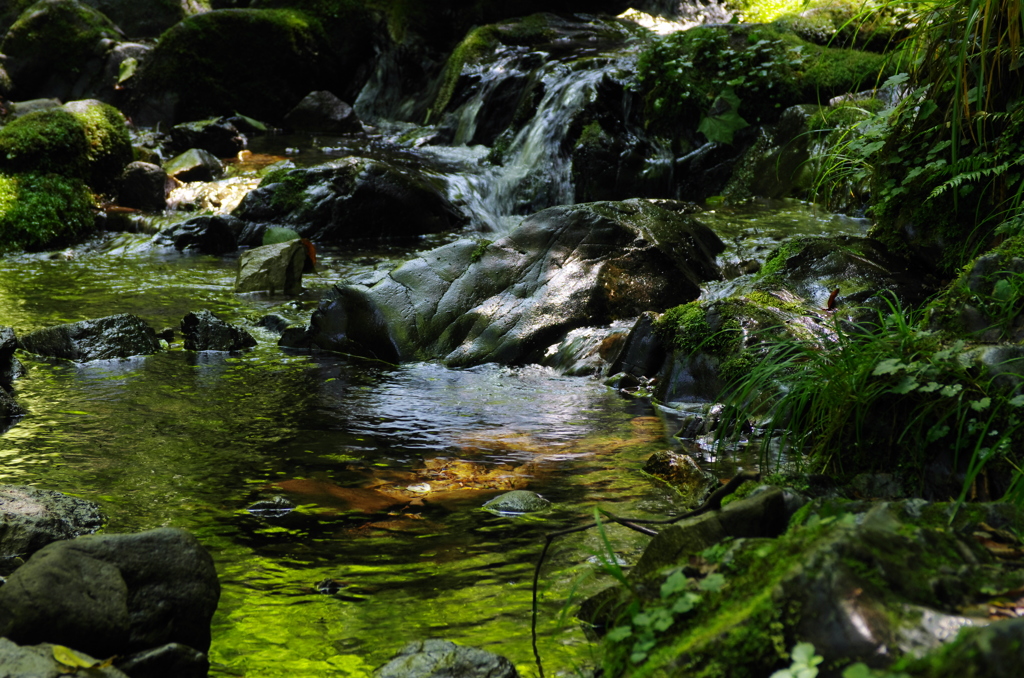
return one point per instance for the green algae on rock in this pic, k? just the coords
(517, 501)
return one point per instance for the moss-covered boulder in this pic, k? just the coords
(719, 79)
(877, 583)
(42, 210)
(108, 146)
(87, 140)
(260, 62)
(57, 48)
(143, 19)
(985, 302)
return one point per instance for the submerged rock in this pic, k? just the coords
(31, 518)
(682, 473)
(116, 336)
(204, 331)
(436, 658)
(114, 594)
(566, 267)
(517, 501)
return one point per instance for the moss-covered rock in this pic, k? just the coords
(142, 19)
(849, 577)
(39, 211)
(56, 49)
(257, 62)
(108, 146)
(47, 141)
(720, 78)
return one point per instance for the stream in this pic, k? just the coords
(193, 440)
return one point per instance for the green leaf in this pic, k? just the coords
(888, 366)
(723, 120)
(952, 390)
(685, 603)
(127, 69)
(619, 633)
(907, 384)
(1016, 401)
(981, 405)
(803, 653)
(1003, 291)
(713, 582)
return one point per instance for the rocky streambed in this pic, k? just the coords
(327, 340)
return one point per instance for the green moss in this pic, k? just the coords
(289, 189)
(61, 39)
(42, 210)
(49, 141)
(109, 145)
(765, 67)
(776, 261)
(591, 135)
(478, 43)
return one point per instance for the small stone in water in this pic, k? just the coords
(517, 501)
(421, 487)
(276, 507)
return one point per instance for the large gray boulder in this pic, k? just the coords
(143, 185)
(444, 659)
(31, 518)
(352, 199)
(565, 267)
(116, 336)
(114, 594)
(208, 233)
(204, 331)
(276, 268)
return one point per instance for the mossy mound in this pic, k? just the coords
(51, 45)
(257, 62)
(108, 145)
(720, 78)
(49, 141)
(144, 19)
(39, 211)
(85, 140)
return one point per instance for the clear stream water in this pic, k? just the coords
(193, 439)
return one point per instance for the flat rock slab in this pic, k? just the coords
(31, 518)
(115, 336)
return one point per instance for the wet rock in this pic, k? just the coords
(276, 268)
(38, 661)
(116, 336)
(109, 147)
(352, 199)
(209, 234)
(273, 322)
(143, 186)
(322, 112)
(141, 19)
(517, 501)
(681, 472)
(586, 351)
(444, 659)
(114, 594)
(203, 331)
(56, 49)
(563, 268)
(194, 165)
(10, 367)
(216, 136)
(21, 108)
(172, 660)
(31, 518)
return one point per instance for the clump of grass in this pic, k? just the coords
(885, 396)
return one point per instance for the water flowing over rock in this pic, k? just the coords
(353, 199)
(116, 336)
(444, 659)
(203, 331)
(114, 593)
(31, 518)
(565, 267)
